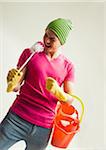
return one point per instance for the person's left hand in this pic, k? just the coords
(53, 87)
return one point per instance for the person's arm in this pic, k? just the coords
(16, 76)
(62, 95)
(67, 87)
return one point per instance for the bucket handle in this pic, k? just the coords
(82, 105)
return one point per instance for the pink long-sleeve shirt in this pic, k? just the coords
(34, 103)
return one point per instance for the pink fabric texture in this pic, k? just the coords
(34, 103)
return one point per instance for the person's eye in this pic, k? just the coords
(53, 39)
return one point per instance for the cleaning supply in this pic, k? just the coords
(67, 120)
(18, 74)
(53, 87)
(66, 124)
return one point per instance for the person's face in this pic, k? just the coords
(51, 42)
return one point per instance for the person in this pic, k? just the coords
(30, 118)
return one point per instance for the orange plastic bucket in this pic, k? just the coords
(66, 125)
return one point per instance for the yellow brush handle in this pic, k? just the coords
(12, 84)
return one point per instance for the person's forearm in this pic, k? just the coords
(53, 87)
(69, 97)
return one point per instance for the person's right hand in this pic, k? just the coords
(14, 80)
(11, 74)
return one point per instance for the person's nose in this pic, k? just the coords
(48, 41)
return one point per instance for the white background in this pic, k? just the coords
(22, 24)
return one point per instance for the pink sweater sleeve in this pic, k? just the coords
(23, 57)
(70, 73)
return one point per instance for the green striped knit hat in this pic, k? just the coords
(61, 27)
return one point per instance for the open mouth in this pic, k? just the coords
(48, 46)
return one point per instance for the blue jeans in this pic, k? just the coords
(13, 129)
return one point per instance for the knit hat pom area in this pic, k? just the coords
(61, 27)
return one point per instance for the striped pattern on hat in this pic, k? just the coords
(61, 27)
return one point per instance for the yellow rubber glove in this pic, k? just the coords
(53, 87)
(13, 78)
